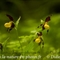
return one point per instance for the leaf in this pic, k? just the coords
(17, 22)
(42, 21)
(33, 31)
(39, 30)
(29, 47)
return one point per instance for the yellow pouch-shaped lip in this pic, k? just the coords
(7, 25)
(46, 26)
(37, 40)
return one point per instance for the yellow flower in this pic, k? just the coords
(38, 40)
(8, 24)
(46, 26)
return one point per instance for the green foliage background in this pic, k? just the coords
(20, 42)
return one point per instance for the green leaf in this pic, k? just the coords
(29, 47)
(42, 21)
(17, 22)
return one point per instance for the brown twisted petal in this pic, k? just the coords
(39, 34)
(13, 25)
(43, 27)
(10, 17)
(47, 19)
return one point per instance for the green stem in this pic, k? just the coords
(19, 40)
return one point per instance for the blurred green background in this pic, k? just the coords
(31, 12)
